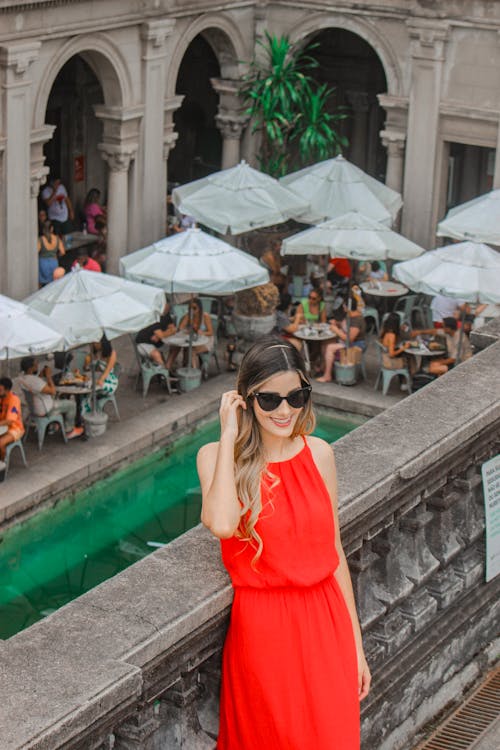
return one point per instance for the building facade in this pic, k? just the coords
(131, 95)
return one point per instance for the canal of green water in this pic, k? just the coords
(62, 552)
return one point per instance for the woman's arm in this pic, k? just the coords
(110, 363)
(60, 247)
(322, 315)
(184, 322)
(325, 461)
(221, 509)
(390, 343)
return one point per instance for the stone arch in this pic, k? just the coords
(310, 25)
(226, 41)
(106, 62)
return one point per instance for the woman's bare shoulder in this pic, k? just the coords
(321, 450)
(208, 452)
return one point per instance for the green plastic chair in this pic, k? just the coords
(8, 450)
(41, 423)
(387, 374)
(149, 370)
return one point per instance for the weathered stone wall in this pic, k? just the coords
(134, 663)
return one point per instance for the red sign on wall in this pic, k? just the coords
(79, 168)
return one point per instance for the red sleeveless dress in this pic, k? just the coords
(289, 671)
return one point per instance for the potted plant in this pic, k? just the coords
(289, 108)
(255, 311)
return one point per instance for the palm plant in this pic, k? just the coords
(287, 106)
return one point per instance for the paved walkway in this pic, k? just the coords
(144, 425)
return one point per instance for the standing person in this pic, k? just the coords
(293, 667)
(50, 246)
(59, 206)
(446, 307)
(92, 209)
(10, 416)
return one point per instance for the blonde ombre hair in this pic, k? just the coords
(261, 362)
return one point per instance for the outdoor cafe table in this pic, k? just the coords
(182, 340)
(423, 352)
(318, 332)
(385, 289)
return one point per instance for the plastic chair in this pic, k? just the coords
(8, 450)
(387, 374)
(41, 423)
(372, 312)
(110, 397)
(407, 306)
(149, 370)
(206, 356)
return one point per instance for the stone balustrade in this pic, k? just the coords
(135, 663)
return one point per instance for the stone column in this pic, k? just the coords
(496, 174)
(38, 174)
(394, 142)
(230, 120)
(170, 137)
(150, 160)
(422, 147)
(360, 105)
(139, 732)
(19, 266)
(118, 158)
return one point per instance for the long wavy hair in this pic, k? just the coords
(262, 361)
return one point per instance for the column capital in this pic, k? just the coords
(231, 124)
(428, 38)
(18, 57)
(393, 140)
(117, 156)
(155, 32)
(38, 178)
(169, 135)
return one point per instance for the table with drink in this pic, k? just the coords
(313, 332)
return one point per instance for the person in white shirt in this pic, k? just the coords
(44, 395)
(446, 307)
(59, 206)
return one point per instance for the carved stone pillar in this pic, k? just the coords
(417, 561)
(391, 585)
(230, 120)
(423, 157)
(394, 142)
(118, 159)
(19, 264)
(180, 725)
(360, 105)
(139, 732)
(362, 564)
(152, 176)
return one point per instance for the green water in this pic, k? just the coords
(64, 551)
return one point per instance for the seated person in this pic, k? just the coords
(200, 322)
(10, 416)
(286, 325)
(104, 358)
(355, 330)
(150, 339)
(451, 334)
(83, 261)
(44, 395)
(446, 307)
(377, 273)
(390, 337)
(311, 309)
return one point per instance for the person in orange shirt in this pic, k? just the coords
(10, 416)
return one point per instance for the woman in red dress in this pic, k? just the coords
(293, 668)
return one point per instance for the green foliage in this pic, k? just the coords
(287, 106)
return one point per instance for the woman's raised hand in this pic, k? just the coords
(230, 403)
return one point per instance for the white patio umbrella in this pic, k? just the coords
(194, 262)
(354, 236)
(24, 331)
(237, 200)
(84, 305)
(477, 220)
(335, 186)
(467, 270)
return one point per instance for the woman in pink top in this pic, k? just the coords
(93, 209)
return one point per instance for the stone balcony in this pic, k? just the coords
(135, 662)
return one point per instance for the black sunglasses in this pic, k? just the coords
(269, 401)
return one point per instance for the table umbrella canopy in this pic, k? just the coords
(335, 186)
(84, 305)
(24, 331)
(467, 270)
(194, 261)
(237, 200)
(477, 220)
(354, 236)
